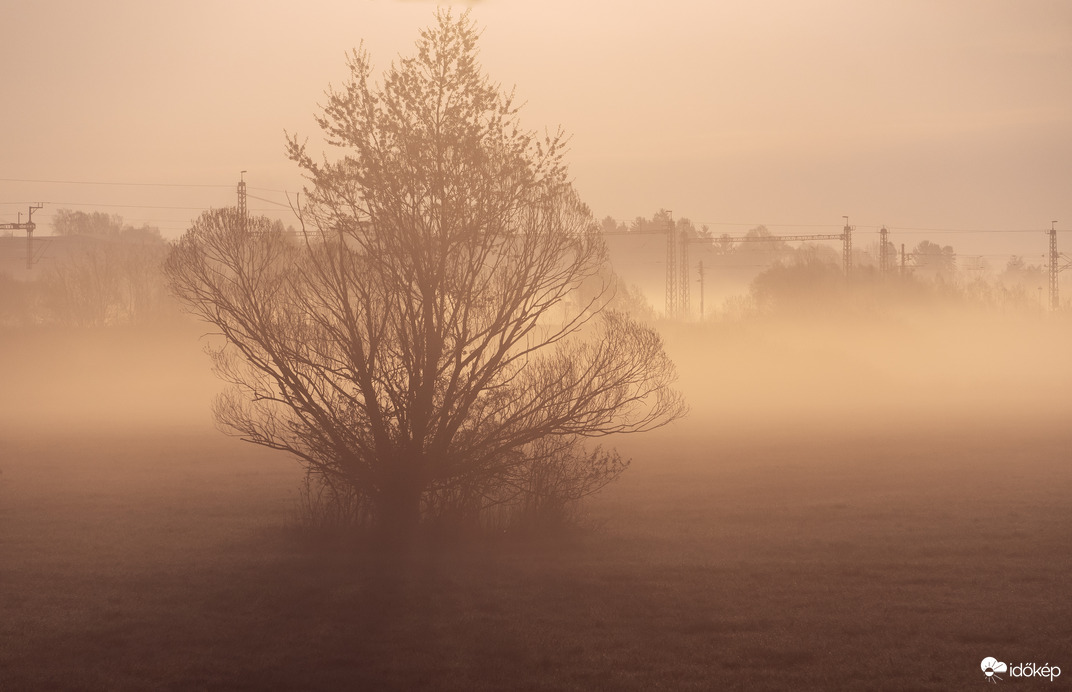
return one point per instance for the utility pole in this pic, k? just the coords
(677, 262)
(846, 252)
(671, 269)
(29, 227)
(677, 269)
(884, 252)
(1054, 257)
(242, 200)
(1058, 263)
(683, 253)
(902, 260)
(685, 286)
(701, 292)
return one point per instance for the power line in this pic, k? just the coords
(912, 229)
(891, 227)
(965, 230)
(143, 206)
(129, 184)
(101, 182)
(124, 206)
(261, 199)
(898, 229)
(765, 225)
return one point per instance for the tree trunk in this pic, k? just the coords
(399, 511)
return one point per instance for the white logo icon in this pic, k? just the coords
(991, 667)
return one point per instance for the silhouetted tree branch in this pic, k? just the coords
(424, 344)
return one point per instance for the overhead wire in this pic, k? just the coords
(890, 227)
(912, 230)
(113, 183)
(130, 184)
(269, 201)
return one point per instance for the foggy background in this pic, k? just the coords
(871, 472)
(946, 116)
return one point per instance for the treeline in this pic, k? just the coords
(95, 271)
(658, 223)
(67, 223)
(809, 282)
(102, 271)
(766, 275)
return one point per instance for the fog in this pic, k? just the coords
(901, 374)
(894, 373)
(914, 115)
(832, 467)
(805, 427)
(120, 380)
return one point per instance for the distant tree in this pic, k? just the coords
(723, 245)
(933, 260)
(66, 222)
(610, 225)
(1017, 286)
(764, 248)
(736, 308)
(687, 227)
(662, 220)
(106, 282)
(813, 252)
(980, 292)
(658, 223)
(1018, 271)
(806, 286)
(770, 243)
(423, 348)
(110, 272)
(84, 288)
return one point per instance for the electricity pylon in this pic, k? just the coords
(29, 227)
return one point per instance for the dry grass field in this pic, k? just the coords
(829, 517)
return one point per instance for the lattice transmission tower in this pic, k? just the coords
(671, 269)
(29, 227)
(677, 269)
(1058, 263)
(242, 199)
(846, 247)
(884, 252)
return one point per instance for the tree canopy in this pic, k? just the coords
(425, 347)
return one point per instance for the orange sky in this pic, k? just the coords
(933, 114)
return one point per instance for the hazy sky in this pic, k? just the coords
(931, 114)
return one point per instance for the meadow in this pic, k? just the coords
(832, 515)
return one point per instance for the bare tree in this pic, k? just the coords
(107, 281)
(425, 346)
